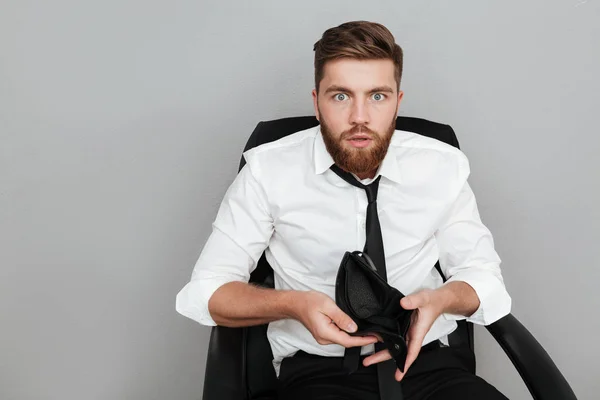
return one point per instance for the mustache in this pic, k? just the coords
(357, 129)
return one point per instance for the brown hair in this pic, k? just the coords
(360, 40)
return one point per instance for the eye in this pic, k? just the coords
(378, 96)
(340, 96)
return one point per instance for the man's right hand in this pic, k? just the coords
(326, 321)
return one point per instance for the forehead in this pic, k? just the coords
(358, 75)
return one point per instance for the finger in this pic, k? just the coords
(414, 301)
(335, 335)
(410, 358)
(341, 319)
(378, 357)
(399, 375)
(414, 348)
(331, 332)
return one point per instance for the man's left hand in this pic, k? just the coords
(428, 305)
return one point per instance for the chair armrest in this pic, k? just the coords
(540, 374)
(225, 376)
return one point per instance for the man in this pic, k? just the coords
(288, 203)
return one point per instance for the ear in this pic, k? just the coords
(400, 96)
(316, 104)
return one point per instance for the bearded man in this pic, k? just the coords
(290, 200)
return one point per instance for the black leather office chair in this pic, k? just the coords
(239, 365)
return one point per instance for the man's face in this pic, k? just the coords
(357, 105)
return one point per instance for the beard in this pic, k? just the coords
(359, 161)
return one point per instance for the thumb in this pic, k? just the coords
(413, 301)
(342, 320)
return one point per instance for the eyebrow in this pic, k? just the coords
(336, 88)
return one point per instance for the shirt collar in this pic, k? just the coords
(321, 156)
(322, 160)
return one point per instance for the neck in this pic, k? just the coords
(367, 175)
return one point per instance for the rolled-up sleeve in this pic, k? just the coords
(467, 254)
(240, 233)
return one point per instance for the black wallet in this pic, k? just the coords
(372, 303)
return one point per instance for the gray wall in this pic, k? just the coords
(122, 122)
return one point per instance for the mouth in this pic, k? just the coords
(359, 141)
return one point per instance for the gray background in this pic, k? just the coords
(122, 122)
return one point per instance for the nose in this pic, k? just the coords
(359, 114)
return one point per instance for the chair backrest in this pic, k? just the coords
(257, 374)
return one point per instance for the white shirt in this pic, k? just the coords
(289, 204)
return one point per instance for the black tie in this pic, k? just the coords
(389, 388)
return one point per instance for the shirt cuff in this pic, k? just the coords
(192, 300)
(494, 300)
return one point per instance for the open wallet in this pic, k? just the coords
(373, 304)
